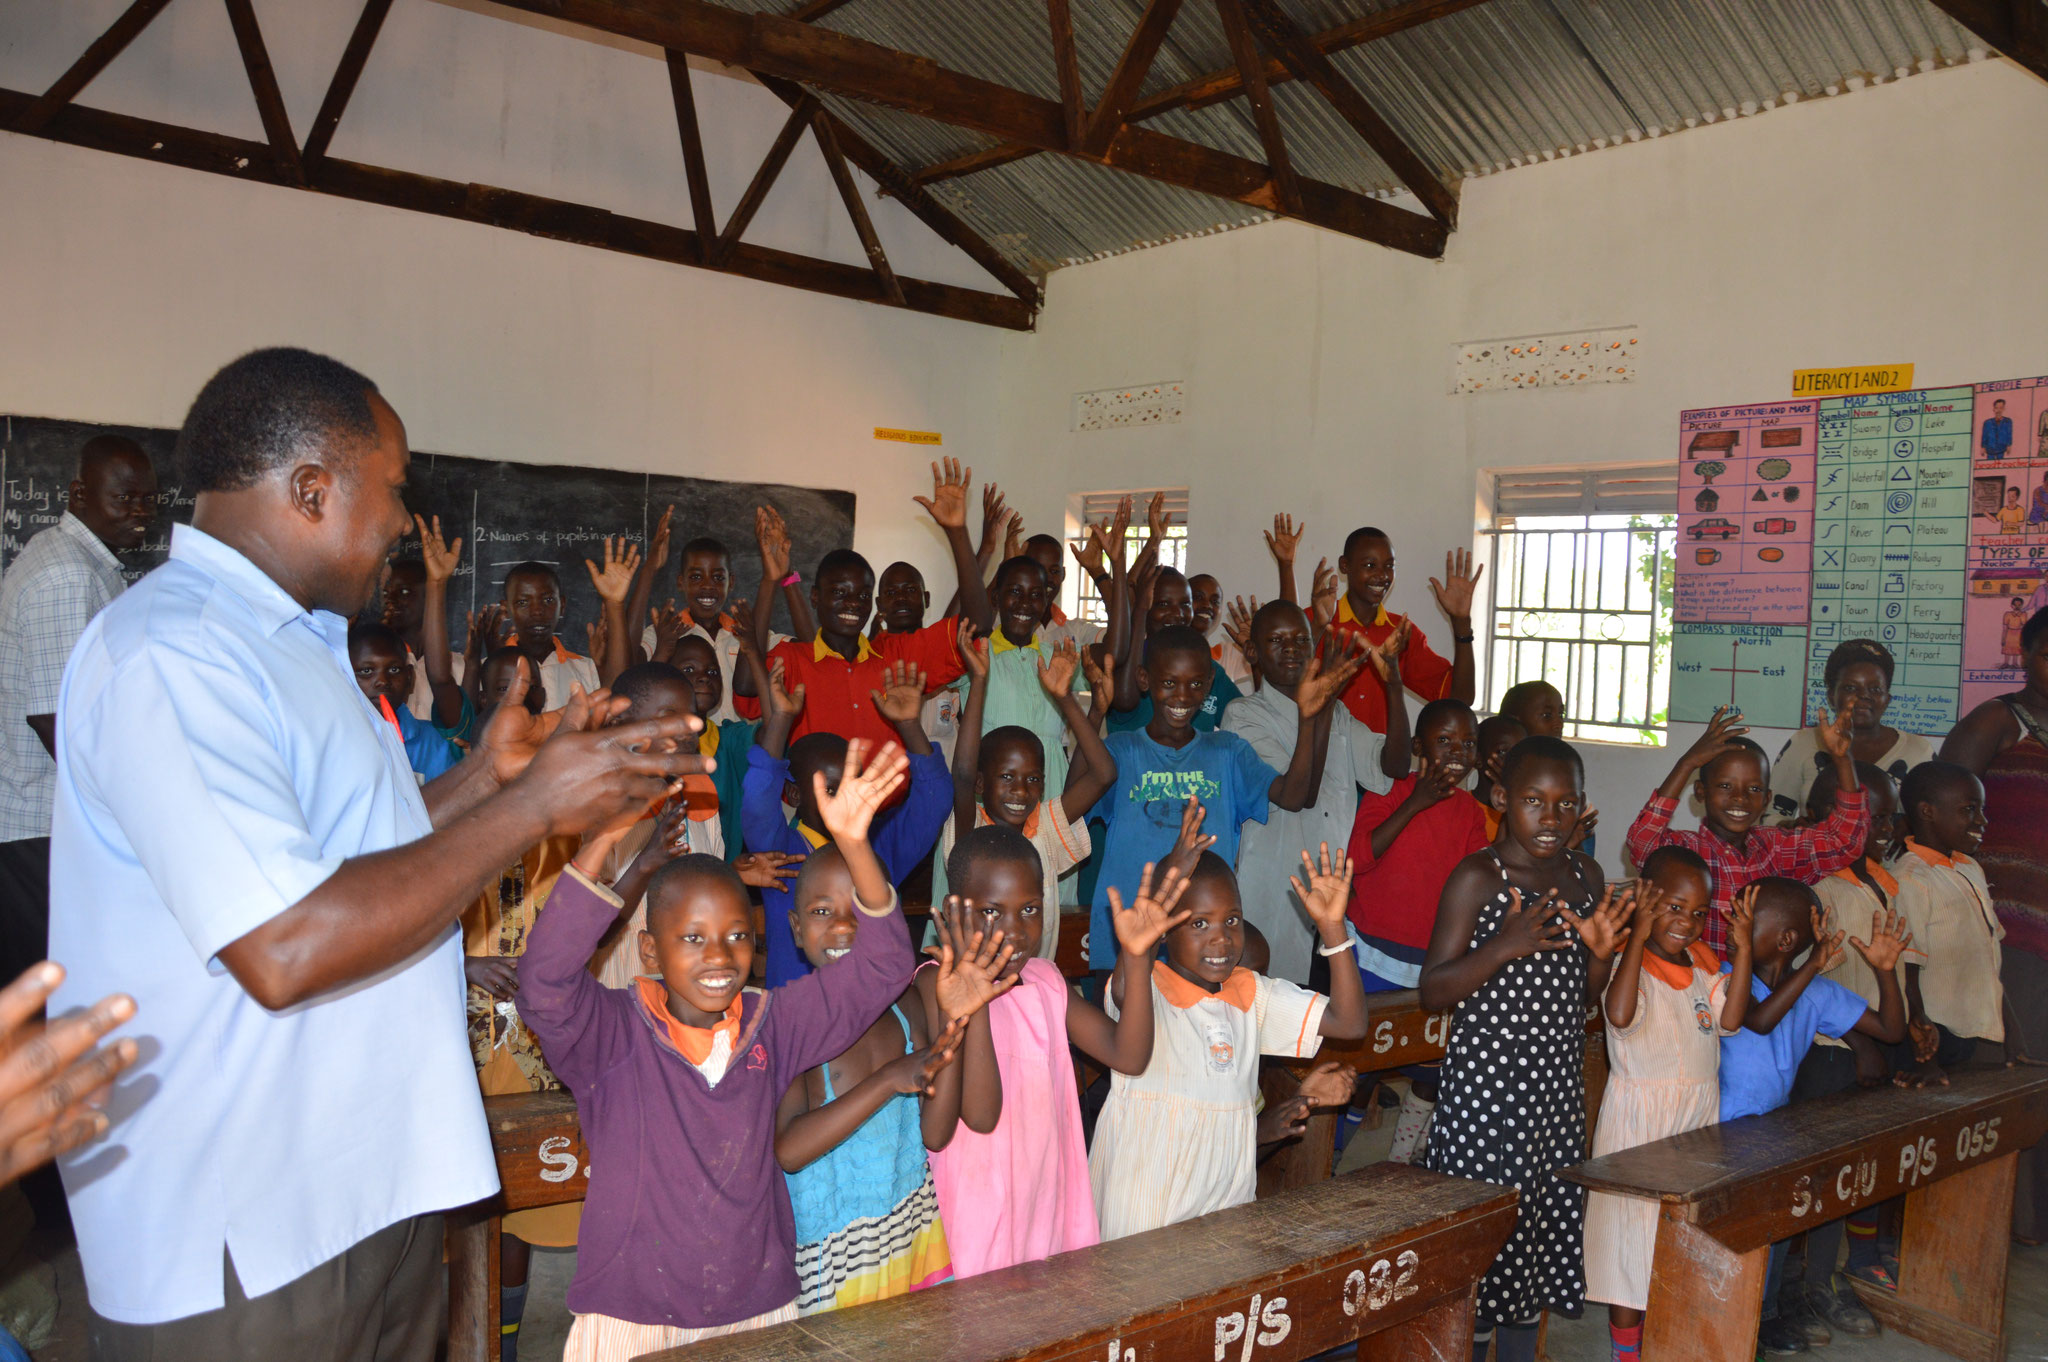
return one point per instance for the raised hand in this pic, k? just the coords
(614, 581)
(1525, 931)
(1100, 669)
(1056, 673)
(973, 651)
(512, 735)
(1282, 539)
(1156, 518)
(901, 698)
(1605, 929)
(1013, 538)
(1322, 595)
(1742, 924)
(1325, 893)
(486, 631)
(971, 960)
(670, 624)
(1192, 841)
(780, 699)
(496, 975)
(948, 501)
(1433, 784)
(1726, 723)
(995, 513)
(773, 538)
(1090, 555)
(768, 869)
(1237, 623)
(1828, 949)
(1832, 736)
(438, 555)
(917, 1072)
(1888, 941)
(1330, 1084)
(1151, 914)
(742, 612)
(599, 632)
(1582, 829)
(52, 1078)
(1461, 580)
(657, 553)
(1320, 685)
(671, 836)
(864, 787)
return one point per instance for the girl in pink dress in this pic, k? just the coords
(1012, 1178)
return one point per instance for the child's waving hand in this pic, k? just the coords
(437, 555)
(1151, 914)
(1322, 595)
(1056, 673)
(782, 700)
(1888, 940)
(772, 537)
(1527, 930)
(1742, 924)
(1461, 579)
(1100, 669)
(917, 1073)
(1285, 536)
(1726, 723)
(615, 579)
(1605, 929)
(1238, 624)
(1192, 842)
(948, 501)
(1828, 949)
(864, 786)
(1329, 1084)
(973, 651)
(971, 961)
(901, 697)
(1320, 686)
(1326, 892)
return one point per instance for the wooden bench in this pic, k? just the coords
(541, 1162)
(1728, 1192)
(1390, 1256)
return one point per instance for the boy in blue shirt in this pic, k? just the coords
(1789, 1007)
(1171, 760)
(383, 669)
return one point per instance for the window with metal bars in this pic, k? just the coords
(1582, 594)
(1082, 601)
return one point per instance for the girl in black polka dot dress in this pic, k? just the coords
(1520, 948)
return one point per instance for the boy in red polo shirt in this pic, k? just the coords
(1368, 568)
(840, 670)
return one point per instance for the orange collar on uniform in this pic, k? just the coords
(1680, 976)
(1240, 990)
(820, 649)
(1346, 615)
(1030, 828)
(563, 654)
(1930, 855)
(1058, 615)
(1884, 878)
(692, 1042)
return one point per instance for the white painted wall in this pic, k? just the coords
(1898, 223)
(127, 284)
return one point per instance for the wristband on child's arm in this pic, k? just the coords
(1349, 943)
(793, 579)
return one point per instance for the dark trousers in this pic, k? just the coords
(24, 905)
(381, 1301)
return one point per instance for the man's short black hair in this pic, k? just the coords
(1673, 854)
(1531, 750)
(1928, 782)
(366, 632)
(1360, 535)
(95, 454)
(694, 869)
(1436, 711)
(269, 409)
(995, 842)
(1851, 651)
(1175, 638)
(533, 567)
(704, 543)
(838, 559)
(638, 681)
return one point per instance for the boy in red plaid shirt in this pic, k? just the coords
(1734, 779)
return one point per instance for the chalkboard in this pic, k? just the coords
(505, 513)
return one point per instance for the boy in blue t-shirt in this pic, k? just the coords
(384, 671)
(1168, 761)
(1789, 1007)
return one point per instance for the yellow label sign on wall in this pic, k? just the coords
(1865, 378)
(909, 437)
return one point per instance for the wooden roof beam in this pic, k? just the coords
(685, 97)
(838, 62)
(240, 159)
(1218, 86)
(277, 126)
(346, 73)
(849, 194)
(90, 63)
(763, 181)
(1302, 57)
(2017, 28)
(1245, 51)
(1066, 61)
(1131, 70)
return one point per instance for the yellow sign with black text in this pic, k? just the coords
(1849, 382)
(909, 437)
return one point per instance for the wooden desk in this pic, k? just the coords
(1730, 1191)
(1390, 1255)
(541, 1162)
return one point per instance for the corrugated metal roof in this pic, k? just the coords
(1499, 85)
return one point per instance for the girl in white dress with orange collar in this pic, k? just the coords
(1179, 1140)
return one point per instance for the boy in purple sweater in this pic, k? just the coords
(687, 1232)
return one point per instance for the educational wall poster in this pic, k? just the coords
(2008, 550)
(1755, 667)
(1745, 513)
(1891, 539)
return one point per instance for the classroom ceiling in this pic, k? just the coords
(1475, 88)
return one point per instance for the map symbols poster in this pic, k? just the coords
(2008, 547)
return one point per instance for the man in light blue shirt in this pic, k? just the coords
(239, 843)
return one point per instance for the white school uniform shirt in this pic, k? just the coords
(1956, 936)
(421, 701)
(217, 763)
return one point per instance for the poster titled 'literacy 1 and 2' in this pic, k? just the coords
(1918, 519)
